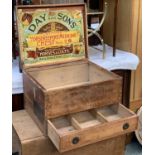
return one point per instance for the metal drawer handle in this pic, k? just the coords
(126, 126)
(75, 140)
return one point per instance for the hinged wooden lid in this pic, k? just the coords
(51, 34)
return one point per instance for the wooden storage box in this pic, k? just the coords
(70, 88)
(73, 101)
(58, 84)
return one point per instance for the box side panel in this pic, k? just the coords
(66, 101)
(34, 101)
(39, 119)
(32, 89)
(54, 136)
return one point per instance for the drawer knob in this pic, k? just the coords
(125, 126)
(75, 140)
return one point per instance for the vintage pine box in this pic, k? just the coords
(73, 101)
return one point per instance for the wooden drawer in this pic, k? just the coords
(83, 128)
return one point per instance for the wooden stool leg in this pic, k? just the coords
(115, 27)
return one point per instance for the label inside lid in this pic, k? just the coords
(51, 34)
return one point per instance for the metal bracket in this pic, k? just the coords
(92, 32)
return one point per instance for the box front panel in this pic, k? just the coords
(77, 99)
(99, 133)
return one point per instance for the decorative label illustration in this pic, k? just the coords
(51, 35)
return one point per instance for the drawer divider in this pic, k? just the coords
(101, 117)
(75, 123)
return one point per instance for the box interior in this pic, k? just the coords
(70, 75)
(86, 119)
(113, 112)
(63, 124)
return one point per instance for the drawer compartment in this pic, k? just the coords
(83, 128)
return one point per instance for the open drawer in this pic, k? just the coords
(83, 128)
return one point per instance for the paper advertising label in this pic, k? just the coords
(51, 34)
